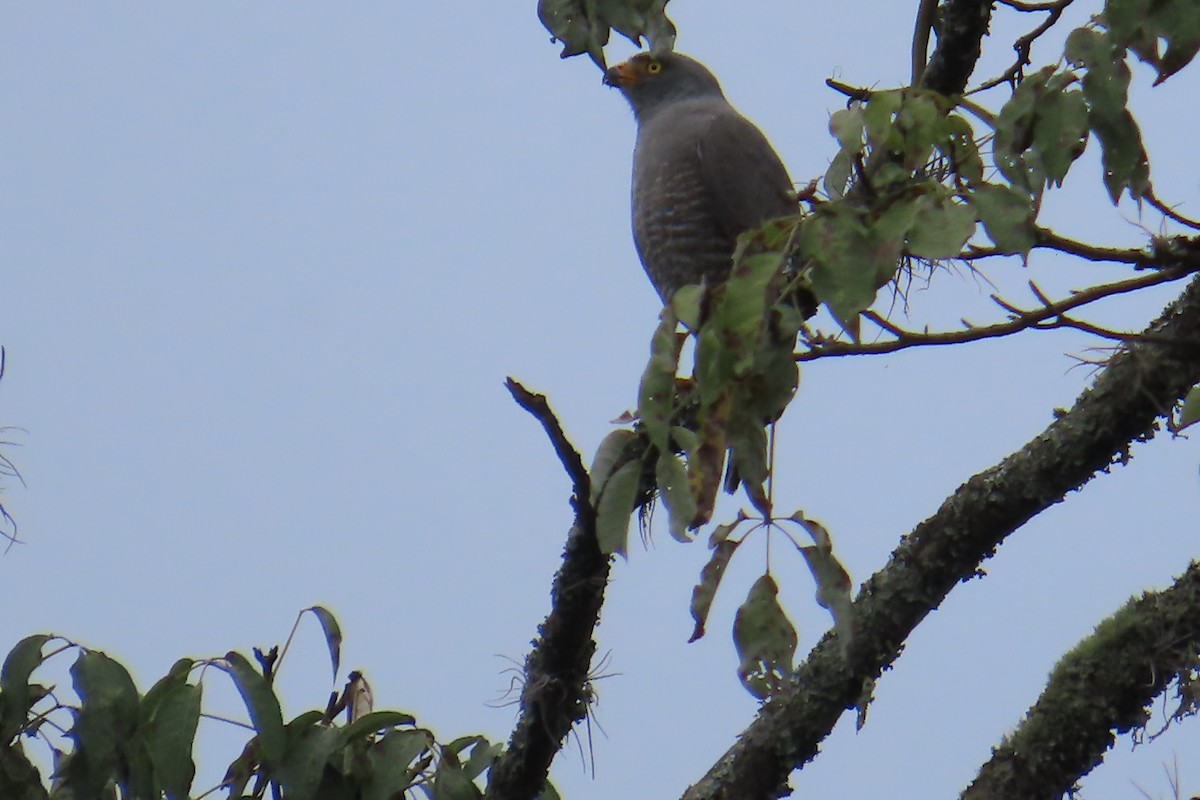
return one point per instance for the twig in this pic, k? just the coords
(1024, 320)
(1047, 239)
(1149, 195)
(1023, 45)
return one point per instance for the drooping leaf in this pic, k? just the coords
(19, 779)
(1145, 25)
(612, 453)
(833, 582)
(171, 714)
(262, 705)
(958, 146)
(672, 478)
(656, 394)
(1105, 88)
(614, 508)
(707, 462)
(105, 724)
(1060, 129)
(748, 448)
(765, 640)
(583, 25)
(1007, 216)
(941, 228)
(705, 591)
(848, 261)
(333, 634)
(20, 663)
(451, 782)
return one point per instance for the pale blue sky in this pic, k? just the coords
(265, 267)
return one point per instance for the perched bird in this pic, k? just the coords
(702, 173)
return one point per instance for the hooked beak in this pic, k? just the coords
(620, 76)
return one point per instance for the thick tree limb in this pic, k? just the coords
(1106, 683)
(960, 35)
(556, 669)
(1138, 386)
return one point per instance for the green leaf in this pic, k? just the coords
(765, 639)
(391, 760)
(941, 228)
(105, 724)
(19, 779)
(374, 722)
(450, 782)
(1105, 88)
(1014, 134)
(672, 478)
(1060, 129)
(262, 705)
(704, 592)
(958, 145)
(685, 305)
(656, 395)
(333, 634)
(847, 260)
(1142, 25)
(879, 120)
(748, 445)
(583, 25)
(20, 663)
(171, 714)
(304, 759)
(615, 507)
(833, 582)
(707, 462)
(1007, 216)
(614, 450)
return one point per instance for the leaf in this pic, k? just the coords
(391, 759)
(1142, 25)
(958, 145)
(748, 448)
(849, 262)
(704, 592)
(1105, 88)
(615, 507)
(1014, 134)
(20, 663)
(583, 25)
(656, 394)
(262, 705)
(105, 724)
(685, 305)
(171, 714)
(1007, 216)
(613, 451)
(333, 634)
(765, 640)
(308, 749)
(833, 582)
(940, 229)
(19, 779)
(672, 478)
(450, 782)
(707, 462)
(1060, 129)
(374, 722)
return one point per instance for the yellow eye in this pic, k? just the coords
(653, 68)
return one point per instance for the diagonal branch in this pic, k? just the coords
(1139, 385)
(1132, 657)
(553, 696)
(1049, 315)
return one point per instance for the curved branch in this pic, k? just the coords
(1132, 657)
(553, 696)
(1138, 386)
(1050, 315)
(1025, 43)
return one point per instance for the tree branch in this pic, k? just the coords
(553, 696)
(960, 35)
(1025, 43)
(1140, 384)
(1132, 657)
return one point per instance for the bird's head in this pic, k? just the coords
(651, 81)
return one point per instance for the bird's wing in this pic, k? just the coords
(748, 183)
